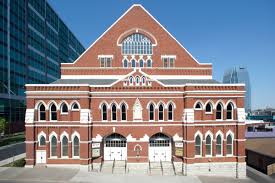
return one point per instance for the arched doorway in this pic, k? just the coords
(160, 148)
(115, 147)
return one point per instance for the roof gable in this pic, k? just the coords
(135, 17)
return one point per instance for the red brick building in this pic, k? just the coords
(137, 94)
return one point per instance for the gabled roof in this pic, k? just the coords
(129, 10)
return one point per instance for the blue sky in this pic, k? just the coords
(225, 33)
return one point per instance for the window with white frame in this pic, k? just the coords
(208, 108)
(105, 61)
(53, 112)
(143, 80)
(151, 112)
(198, 106)
(123, 112)
(137, 80)
(114, 117)
(198, 142)
(141, 63)
(170, 112)
(75, 107)
(229, 145)
(149, 63)
(229, 111)
(42, 112)
(53, 146)
(137, 44)
(131, 80)
(42, 140)
(219, 112)
(219, 145)
(64, 145)
(125, 63)
(76, 148)
(168, 61)
(161, 109)
(64, 108)
(104, 112)
(133, 63)
(208, 145)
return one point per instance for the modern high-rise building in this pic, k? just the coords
(240, 75)
(33, 43)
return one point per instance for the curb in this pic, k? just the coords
(10, 160)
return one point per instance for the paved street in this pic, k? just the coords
(12, 150)
(41, 175)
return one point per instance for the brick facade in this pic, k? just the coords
(182, 86)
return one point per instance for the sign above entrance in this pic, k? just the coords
(95, 145)
(178, 144)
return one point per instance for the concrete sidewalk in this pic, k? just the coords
(40, 175)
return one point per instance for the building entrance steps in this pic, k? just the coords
(161, 168)
(114, 167)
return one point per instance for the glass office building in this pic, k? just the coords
(33, 43)
(240, 75)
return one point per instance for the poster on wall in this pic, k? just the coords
(179, 149)
(95, 150)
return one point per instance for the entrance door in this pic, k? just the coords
(115, 147)
(160, 148)
(40, 157)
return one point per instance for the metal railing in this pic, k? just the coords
(174, 169)
(125, 166)
(101, 165)
(161, 167)
(150, 167)
(113, 167)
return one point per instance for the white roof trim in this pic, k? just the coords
(120, 19)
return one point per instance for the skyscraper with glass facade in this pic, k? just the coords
(33, 43)
(240, 75)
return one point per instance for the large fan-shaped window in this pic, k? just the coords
(136, 44)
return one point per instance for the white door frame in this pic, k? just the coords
(39, 159)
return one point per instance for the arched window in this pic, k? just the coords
(114, 112)
(141, 63)
(152, 112)
(53, 146)
(75, 106)
(229, 111)
(208, 108)
(208, 145)
(143, 80)
(229, 145)
(76, 147)
(131, 80)
(137, 80)
(104, 112)
(133, 62)
(64, 146)
(42, 112)
(161, 112)
(198, 145)
(125, 63)
(53, 113)
(149, 63)
(170, 112)
(136, 44)
(219, 145)
(42, 141)
(198, 106)
(123, 112)
(64, 108)
(219, 111)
